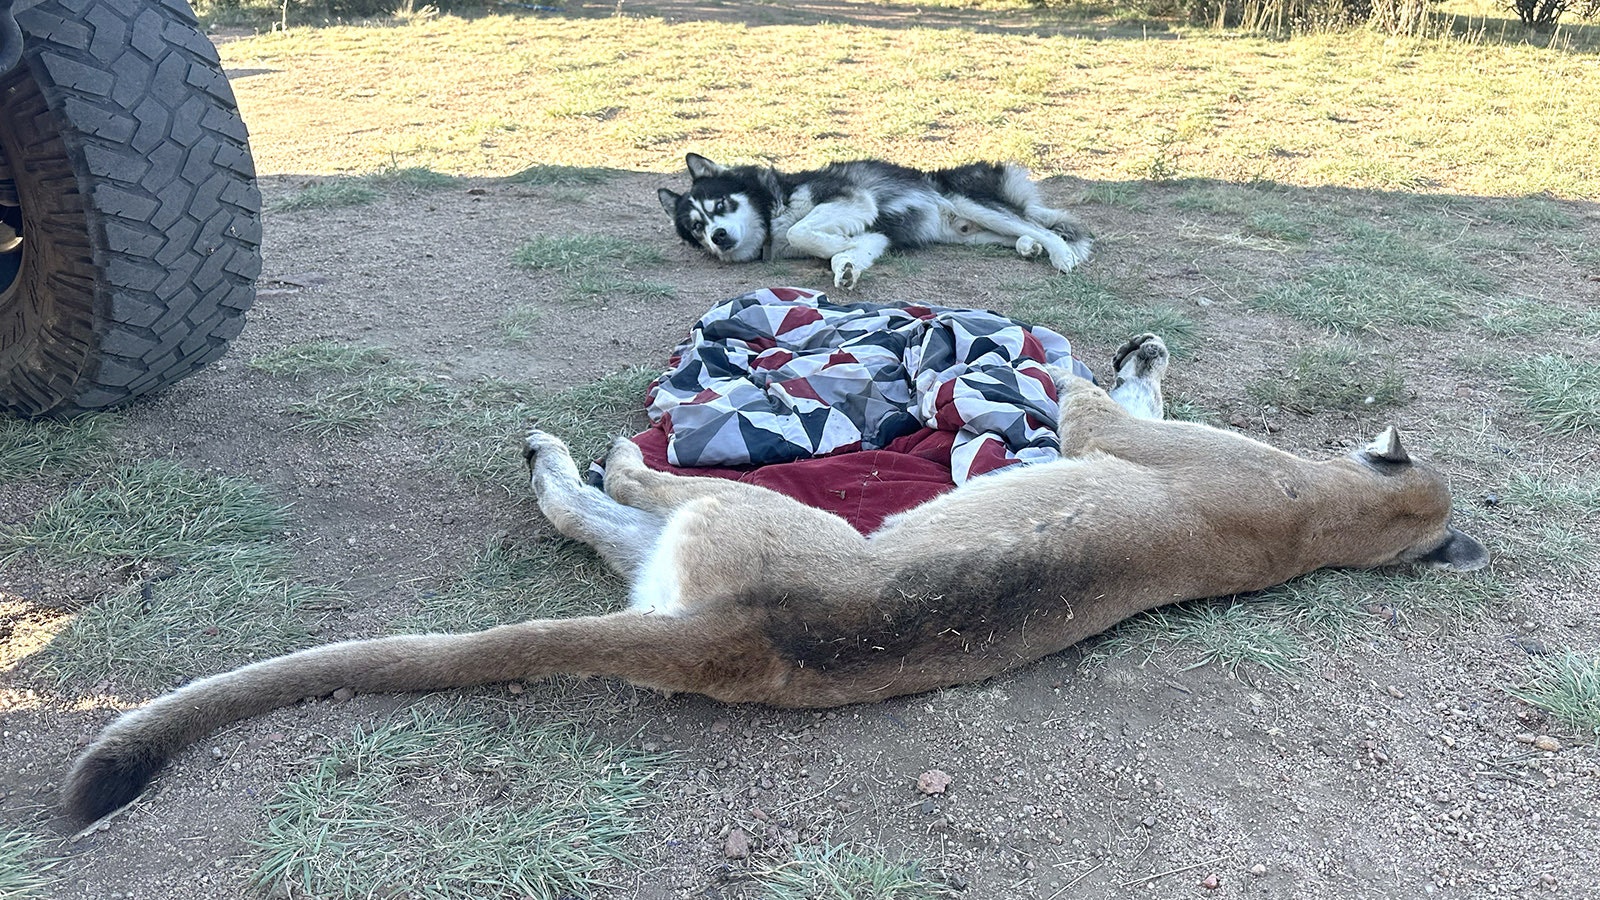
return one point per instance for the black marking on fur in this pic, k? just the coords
(106, 781)
(962, 604)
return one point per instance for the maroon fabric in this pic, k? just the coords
(864, 487)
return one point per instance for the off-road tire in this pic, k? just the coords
(141, 216)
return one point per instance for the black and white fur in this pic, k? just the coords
(850, 213)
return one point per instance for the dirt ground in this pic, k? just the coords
(1391, 767)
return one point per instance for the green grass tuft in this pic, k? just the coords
(158, 511)
(1527, 317)
(158, 632)
(581, 253)
(319, 358)
(24, 870)
(520, 323)
(214, 591)
(457, 804)
(1357, 297)
(1331, 378)
(565, 176)
(1568, 687)
(1544, 494)
(363, 402)
(512, 582)
(335, 193)
(485, 423)
(1091, 311)
(844, 872)
(32, 446)
(1561, 395)
(1276, 629)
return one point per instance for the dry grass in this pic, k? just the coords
(636, 93)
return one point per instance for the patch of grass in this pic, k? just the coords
(582, 253)
(513, 582)
(363, 402)
(1093, 311)
(520, 323)
(1399, 255)
(32, 446)
(320, 358)
(1130, 195)
(1530, 214)
(335, 193)
(410, 178)
(485, 423)
(1277, 628)
(1331, 378)
(845, 872)
(23, 867)
(1564, 549)
(158, 511)
(1357, 297)
(1561, 395)
(1182, 408)
(1227, 634)
(564, 176)
(157, 632)
(457, 804)
(214, 590)
(1568, 687)
(592, 285)
(1545, 494)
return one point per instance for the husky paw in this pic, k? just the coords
(1028, 248)
(623, 454)
(845, 274)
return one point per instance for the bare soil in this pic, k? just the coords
(1389, 768)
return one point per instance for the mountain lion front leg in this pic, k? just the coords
(622, 535)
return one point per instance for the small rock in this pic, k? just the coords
(1547, 880)
(1396, 692)
(515, 687)
(343, 695)
(719, 726)
(933, 781)
(1211, 882)
(737, 846)
(1258, 870)
(1527, 737)
(1546, 742)
(928, 808)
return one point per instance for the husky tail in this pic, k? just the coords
(652, 650)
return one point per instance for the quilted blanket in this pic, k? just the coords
(781, 374)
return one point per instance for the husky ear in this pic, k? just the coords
(669, 201)
(1385, 448)
(1458, 553)
(700, 167)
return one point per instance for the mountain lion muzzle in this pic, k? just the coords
(748, 596)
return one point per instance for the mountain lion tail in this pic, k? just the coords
(651, 650)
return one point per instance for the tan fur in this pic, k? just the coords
(749, 596)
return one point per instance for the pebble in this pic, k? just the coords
(933, 781)
(1396, 692)
(343, 695)
(737, 845)
(1258, 870)
(1211, 882)
(1546, 742)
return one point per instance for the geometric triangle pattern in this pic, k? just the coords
(781, 374)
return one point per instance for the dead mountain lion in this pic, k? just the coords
(752, 597)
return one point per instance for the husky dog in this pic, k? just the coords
(850, 213)
(750, 596)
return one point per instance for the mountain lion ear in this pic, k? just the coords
(669, 201)
(1458, 553)
(1385, 448)
(700, 167)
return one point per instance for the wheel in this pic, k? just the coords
(130, 222)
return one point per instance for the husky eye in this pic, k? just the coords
(697, 226)
(720, 208)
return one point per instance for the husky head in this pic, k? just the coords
(727, 211)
